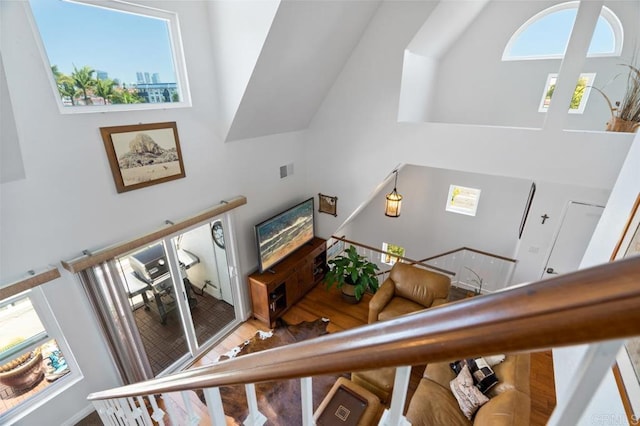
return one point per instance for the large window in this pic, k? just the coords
(546, 34)
(35, 362)
(111, 55)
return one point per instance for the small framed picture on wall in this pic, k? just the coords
(328, 204)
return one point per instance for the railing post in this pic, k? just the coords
(393, 416)
(158, 414)
(595, 363)
(255, 417)
(192, 418)
(104, 411)
(306, 396)
(214, 405)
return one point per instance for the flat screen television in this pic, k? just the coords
(284, 233)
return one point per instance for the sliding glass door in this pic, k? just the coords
(180, 293)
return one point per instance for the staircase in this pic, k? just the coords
(568, 310)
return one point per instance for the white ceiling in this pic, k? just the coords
(305, 50)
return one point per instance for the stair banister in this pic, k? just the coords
(595, 304)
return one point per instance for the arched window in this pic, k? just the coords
(546, 34)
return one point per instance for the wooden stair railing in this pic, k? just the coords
(403, 259)
(485, 253)
(590, 305)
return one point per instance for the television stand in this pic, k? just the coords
(277, 289)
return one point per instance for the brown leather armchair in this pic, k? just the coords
(408, 289)
(433, 403)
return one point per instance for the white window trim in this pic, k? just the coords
(175, 38)
(472, 195)
(611, 18)
(43, 309)
(591, 76)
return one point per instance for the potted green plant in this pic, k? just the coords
(625, 115)
(352, 274)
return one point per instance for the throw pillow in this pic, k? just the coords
(483, 376)
(468, 396)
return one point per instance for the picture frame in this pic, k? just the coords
(627, 368)
(142, 155)
(328, 204)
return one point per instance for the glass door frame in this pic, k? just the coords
(238, 292)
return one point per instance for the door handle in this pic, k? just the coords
(551, 271)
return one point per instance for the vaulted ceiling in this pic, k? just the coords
(306, 47)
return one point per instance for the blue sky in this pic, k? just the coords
(550, 35)
(119, 43)
(122, 44)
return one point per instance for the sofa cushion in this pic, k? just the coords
(514, 373)
(506, 409)
(434, 285)
(399, 306)
(434, 405)
(467, 394)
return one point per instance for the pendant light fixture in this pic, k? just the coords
(394, 200)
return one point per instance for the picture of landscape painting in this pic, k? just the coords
(284, 233)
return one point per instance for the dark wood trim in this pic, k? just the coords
(624, 396)
(591, 305)
(30, 282)
(103, 255)
(507, 259)
(404, 259)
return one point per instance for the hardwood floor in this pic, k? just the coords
(320, 303)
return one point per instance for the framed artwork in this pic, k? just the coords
(627, 368)
(328, 204)
(142, 155)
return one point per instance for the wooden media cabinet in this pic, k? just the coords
(276, 290)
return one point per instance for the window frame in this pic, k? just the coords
(53, 332)
(609, 16)
(175, 38)
(591, 76)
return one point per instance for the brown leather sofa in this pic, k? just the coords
(433, 403)
(408, 289)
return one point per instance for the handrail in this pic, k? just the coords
(89, 259)
(590, 305)
(404, 259)
(497, 256)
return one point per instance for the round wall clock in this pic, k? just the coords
(218, 234)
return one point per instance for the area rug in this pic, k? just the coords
(278, 401)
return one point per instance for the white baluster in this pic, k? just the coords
(170, 405)
(306, 396)
(214, 405)
(145, 412)
(125, 411)
(102, 408)
(393, 416)
(255, 417)
(158, 414)
(112, 410)
(191, 416)
(136, 411)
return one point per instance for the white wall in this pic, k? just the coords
(11, 167)
(605, 237)
(476, 87)
(425, 228)
(68, 201)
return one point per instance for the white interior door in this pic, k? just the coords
(571, 242)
